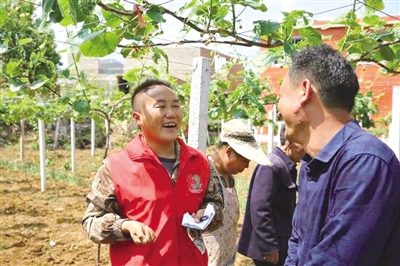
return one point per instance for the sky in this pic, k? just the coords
(322, 10)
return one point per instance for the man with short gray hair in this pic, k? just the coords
(348, 211)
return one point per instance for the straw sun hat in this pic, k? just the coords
(240, 137)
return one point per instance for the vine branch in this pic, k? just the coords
(378, 47)
(379, 64)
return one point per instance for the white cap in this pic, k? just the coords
(240, 137)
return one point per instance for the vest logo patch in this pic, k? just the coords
(194, 183)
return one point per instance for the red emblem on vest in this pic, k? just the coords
(194, 183)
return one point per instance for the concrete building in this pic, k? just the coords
(104, 71)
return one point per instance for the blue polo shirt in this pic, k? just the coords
(348, 211)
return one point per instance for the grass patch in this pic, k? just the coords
(33, 169)
(242, 188)
(3, 246)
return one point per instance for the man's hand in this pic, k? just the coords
(141, 234)
(197, 216)
(272, 258)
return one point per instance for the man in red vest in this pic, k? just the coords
(141, 193)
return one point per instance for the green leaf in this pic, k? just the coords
(394, 65)
(37, 84)
(239, 114)
(84, 35)
(64, 7)
(56, 15)
(131, 36)
(33, 58)
(227, 24)
(264, 59)
(133, 75)
(47, 6)
(112, 19)
(202, 10)
(13, 65)
(158, 53)
(347, 19)
(101, 45)
(3, 48)
(254, 4)
(125, 52)
(87, 6)
(82, 81)
(387, 37)
(76, 12)
(155, 15)
(353, 57)
(265, 28)
(371, 20)
(224, 85)
(24, 41)
(375, 5)
(15, 88)
(288, 48)
(311, 35)
(387, 53)
(64, 99)
(3, 16)
(81, 106)
(64, 73)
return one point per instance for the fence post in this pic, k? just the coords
(22, 142)
(56, 133)
(92, 137)
(72, 145)
(198, 110)
(270, 140)
(42, 155)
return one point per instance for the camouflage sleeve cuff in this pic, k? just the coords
(119, 234)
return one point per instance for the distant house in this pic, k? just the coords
(104, 71)
(369, 75)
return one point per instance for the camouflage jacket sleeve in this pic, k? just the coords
(102, 222)
(214, 195)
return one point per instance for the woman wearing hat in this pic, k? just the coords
(234, 151)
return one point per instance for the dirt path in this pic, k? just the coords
(44, 228)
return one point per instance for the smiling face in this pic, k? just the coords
(158, 114)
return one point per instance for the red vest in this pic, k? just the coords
(145, 193)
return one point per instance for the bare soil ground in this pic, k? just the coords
(44, 228)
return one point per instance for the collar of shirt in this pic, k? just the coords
(287, 161)
(288, 179)
(174, 174)
(314, 165)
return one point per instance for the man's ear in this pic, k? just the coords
(307, 90)
(228, 150)
(137, 118)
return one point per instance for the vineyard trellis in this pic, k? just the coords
(30, 79)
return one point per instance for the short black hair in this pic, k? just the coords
(332, 75)
(145, 85)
